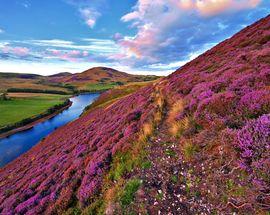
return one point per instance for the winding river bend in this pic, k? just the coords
(13, 146)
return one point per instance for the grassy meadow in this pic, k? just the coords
(20, 106)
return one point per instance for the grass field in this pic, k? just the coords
(6, 83)
(23, 105)
(100, 86)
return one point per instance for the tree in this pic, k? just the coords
(4, 96)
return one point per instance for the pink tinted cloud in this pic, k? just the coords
(90, 16)
(215, 7)
(153, 22)
(68, 55)
(19, 51)
(146, 37)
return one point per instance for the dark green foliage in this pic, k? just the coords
(27, 90)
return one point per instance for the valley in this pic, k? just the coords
(27, 98)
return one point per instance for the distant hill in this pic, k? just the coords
(94, 79)
(61, 74)
(19, 75)
(100, 74)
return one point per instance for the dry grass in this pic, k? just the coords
(177, 108)
(179, 126)
(189, 149)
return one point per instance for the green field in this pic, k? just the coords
(101, 86)
(24, 106)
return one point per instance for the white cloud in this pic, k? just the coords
(92, 45)
(26, 5)
(3, 44)
(90, 16)
(53, 42)
(1, 31)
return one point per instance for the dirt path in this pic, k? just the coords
(165, 184)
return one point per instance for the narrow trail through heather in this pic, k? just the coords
(165, 188)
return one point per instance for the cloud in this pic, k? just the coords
(25, 4)
(90, 16)
(93, 45)
(18, 51)
(53, 42)
(81, 50)
(89, 10)
(1, 31)
(214, 7)
(66, 55)
(171, 29)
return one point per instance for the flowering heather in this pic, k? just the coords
(68, 165)
(225, 89)
(253, 141)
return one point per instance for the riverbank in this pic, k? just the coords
(16, 144)
(32, 121)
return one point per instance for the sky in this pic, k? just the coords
(134, 36)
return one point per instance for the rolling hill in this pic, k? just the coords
(95, 79)
(194, 142)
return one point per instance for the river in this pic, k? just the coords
(13, 146)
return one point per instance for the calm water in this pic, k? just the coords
(16, 144)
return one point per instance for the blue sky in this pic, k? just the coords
(143, 37)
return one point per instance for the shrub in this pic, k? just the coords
(253, 139)
(253, 142)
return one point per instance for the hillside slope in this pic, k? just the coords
(99, 78)
(196, 141)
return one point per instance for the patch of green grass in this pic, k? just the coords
(189, 149)
(174, 179)
(167, 143)
(159, 196)
(96, 208)
(121, 164)
(188, 185)
(128, 194)
(73, 211)
(230, 184)
(170, 152)
(17, 109)
(146, 165)
(101, 86)
(239, 191)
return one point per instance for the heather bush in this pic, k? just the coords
(216, 111)
(254, 104)
(253, 141)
